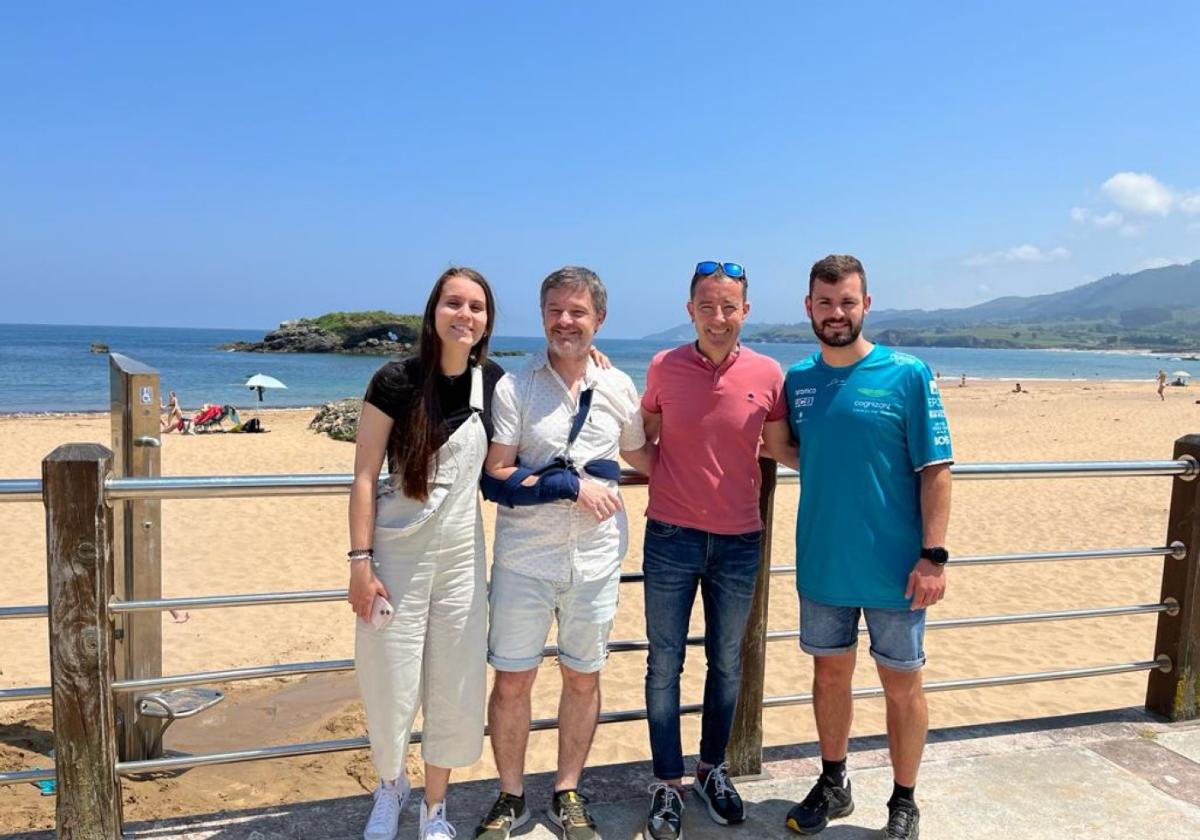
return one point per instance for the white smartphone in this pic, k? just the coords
(381, 613)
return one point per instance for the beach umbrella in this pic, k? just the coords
(261, 381)
(1182, 374)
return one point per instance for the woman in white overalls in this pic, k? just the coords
(418, 544)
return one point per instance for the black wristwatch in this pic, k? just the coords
(937, 555)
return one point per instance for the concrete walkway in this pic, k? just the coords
(1109, 775)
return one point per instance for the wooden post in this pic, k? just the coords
(745, 741)
(79, 557)
(134, 409)
(1176, 694)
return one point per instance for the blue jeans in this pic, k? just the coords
(675, 561)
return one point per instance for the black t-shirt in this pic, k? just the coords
(396, 387)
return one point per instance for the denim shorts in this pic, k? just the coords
(897, 636)
(523, 608)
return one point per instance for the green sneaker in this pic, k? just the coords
(568, 811)
(507, 812)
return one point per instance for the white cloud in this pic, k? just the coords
(1106, 220)
(1132, 231)
(1190, 204)
(1018, 253)
(1163, 262)
(1139, 192)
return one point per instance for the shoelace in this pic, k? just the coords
(387, 804)
(900, 822)
(501, 808)
(820, 793)
(571, 809)
(670, 797)
(439, 826)
(720, 779)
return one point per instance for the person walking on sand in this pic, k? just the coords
(707, 404)
(174, 415)
(561, 533)
(1162, 384)
(874, 462)
(417, 551)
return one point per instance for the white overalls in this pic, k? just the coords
(430, 556)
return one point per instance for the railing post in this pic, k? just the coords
(79, 558)
(745, 741)
(1176, 694)
(136, 438)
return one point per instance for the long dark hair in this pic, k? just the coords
(416, 444)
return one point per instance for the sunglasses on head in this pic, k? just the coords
(731, 270)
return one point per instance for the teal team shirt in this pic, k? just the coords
(865, 432)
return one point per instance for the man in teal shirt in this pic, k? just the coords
(874, 459)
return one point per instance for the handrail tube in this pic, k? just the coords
(31, 611)
(1170, 607)
(201, 602)
(20, 777)
(128, 768)
(625, 646)
(1173, 550)
(317, 596)
(254, 672)
(239, 486)
(33, 692)
(1163, 663)
(20, 490)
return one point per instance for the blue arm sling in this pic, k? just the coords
(557, 479)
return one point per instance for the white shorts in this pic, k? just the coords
(522, 609)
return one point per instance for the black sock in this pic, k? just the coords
(834, 771)
(900, 793)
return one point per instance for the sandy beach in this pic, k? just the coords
(257, 545)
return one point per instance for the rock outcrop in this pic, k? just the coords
(368, 333)
(338, 419)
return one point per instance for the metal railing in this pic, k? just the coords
(240, 486)
(201, 487)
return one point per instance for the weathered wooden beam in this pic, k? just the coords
(79, 565)
(744, 752)
(1177, 694)
(134, 397)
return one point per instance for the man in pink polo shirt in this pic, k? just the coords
(708, 404)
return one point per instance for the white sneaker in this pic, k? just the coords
(385, 815)
(434, 825)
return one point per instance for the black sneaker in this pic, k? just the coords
(666, 813)
(723, 803)
(904, 821)
(508, 812)
(568, 811)
(826, 801)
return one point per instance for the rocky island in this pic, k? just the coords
(373, 333)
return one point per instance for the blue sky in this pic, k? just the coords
(234, 165)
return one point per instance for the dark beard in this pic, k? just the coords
(839, 340)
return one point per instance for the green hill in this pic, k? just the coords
(1158, 309)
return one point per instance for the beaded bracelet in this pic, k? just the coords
(360, 554)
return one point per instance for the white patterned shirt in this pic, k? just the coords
(533, 410)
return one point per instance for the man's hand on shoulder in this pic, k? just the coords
(597, 499)
(926, 584)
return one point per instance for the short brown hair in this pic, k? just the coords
(835, 268)
(577, 277)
